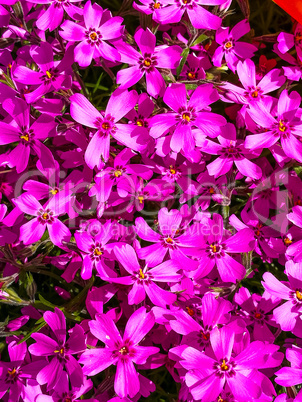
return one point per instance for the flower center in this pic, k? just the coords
(156, 6)
(191, 75)
(190, 311)
(281, 126)
(214, 248)
(106, 126)
(258, 316)
(140, 198)
(228, 45)
(186, 116)
(141, 274)
(169, 240)
(287, 241)
(147, 62)
(54, 191)
(298, 37)
(205, 335)
(93, 36)
(45, 216)
(118, 173)
(254, 94)
(25, 137)
(124, 351)
(140, 122)
(298, 295)
(97, 252)
(48, 73)
(60, 351)
(224, 366)
(12, 373)
(172, 170)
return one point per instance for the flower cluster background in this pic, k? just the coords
(150, 201)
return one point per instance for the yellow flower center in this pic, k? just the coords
(141, 274)
(186, 116)
(25, 137)
(140, 122)
(97, 251)
(93, 35)
(147, 62)
(54, 191)
(45, 216)
(60, 351)
(299, 295)
(141, 199)
(191, 75)
(228, 45)
(48, 73)
(105, 126)
(169, 240)
(118, 173)
(287, 241)
(12, 372)
(214, 248)
(156, 6)
(255, 94)
(172, 169)
(281, 126)
(224, 366)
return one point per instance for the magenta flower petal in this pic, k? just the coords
(51, 18)
(203, 19)
(128, 77)
(208, 389)
(159, 296)
(144, 231)
(98, 146)
(222, 341)
(72, 31)
(169, 58)
(83, 53)
(155, 83)
(31, 231)
(137, 294)
(57, 323)
(176, 96)
(120, 103)
(127, 257)
(275, 287)
(146, 41)
(83, 112)
(229, 269)
(58, 232)
(138, 325)
(28, 204)
(257, 141)
(9, 134)
(92, 15)
(96, 360)
(126, 379)
(243, 387)
(50, 374)
(44, 345)
(105, 330)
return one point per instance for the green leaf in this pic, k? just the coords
(200, 39)
(183, 60)
(46, 303)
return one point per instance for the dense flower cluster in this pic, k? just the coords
(150, 220)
